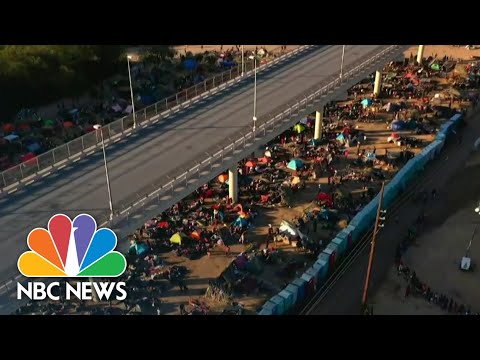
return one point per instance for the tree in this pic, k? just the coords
(157, 54)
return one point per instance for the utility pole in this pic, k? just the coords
(378, 225)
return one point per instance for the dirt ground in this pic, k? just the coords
(437, 254)
(201, 48)
(455, 52)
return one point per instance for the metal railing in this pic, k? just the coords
(58, 157)
(182, 180)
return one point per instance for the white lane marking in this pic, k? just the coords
(46, 174)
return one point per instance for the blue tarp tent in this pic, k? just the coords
(341, 138)
(34, 147)
(139, 249)
(366, 102)
(295, 164)
(240, 221)
(398, 125)
(189, 64)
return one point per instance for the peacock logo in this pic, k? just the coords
(72, 249)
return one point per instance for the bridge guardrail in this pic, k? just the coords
(179, 180)
(59, 157)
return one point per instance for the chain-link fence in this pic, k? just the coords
(117, 128)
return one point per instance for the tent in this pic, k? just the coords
(250, 163)
(341, 138)
(268, 154)
(189, 64)
(370, 156)
(223, 178)
(68, 124)
(366, 102)
(7, 128)
(11, 138)
(240, 221)
(27, 157)
(327, 199)
(34, 147)
(435, 67)
(288, 228)
(176, 238)
(299, 128)
(139, 249)
(398, 125)
(48, 123)
(295, 164)
(296, 180)
(195, 235)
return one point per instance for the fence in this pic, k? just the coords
(184, 179)
(114, 131)
(349, 243)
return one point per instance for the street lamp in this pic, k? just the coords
(99, 127)
(129, 57)
(243, 62)
(341, 66)
(254, 92)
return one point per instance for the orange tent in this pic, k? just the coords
(222, 178)
(195, 235)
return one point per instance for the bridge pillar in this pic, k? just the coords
(421, 49)
(318, 125)
(233, 184)
(378, 83)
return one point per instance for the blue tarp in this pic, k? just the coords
(295, 164)
(240, 222)
(34, 147)
(398, 125)
(190, 64)
(341, 138)
(366, 102)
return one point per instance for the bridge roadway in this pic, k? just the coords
(150, 154)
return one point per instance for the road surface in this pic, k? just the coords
(346, 296)
(150, 154)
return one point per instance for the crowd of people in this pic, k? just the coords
(208, 223)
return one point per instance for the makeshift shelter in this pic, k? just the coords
(8, 128)
(27, 157)
(291, 230)
(177, 238)
(139, 249)
(223, 178)
(299, 128)
(240, 221)
(11, 138)
(68, 124)
(435, 67)
(370, 156)
(34, 147)
(341, 138)
(268, 154)
(48, 123)
(366, 103)
(398, 125)
(295, 164)
(250, 163)
(325, 198)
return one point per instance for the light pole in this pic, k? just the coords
(376, 230)
(254, 58)
(341, 66)
(129, 57)
(99, 127)
(243, 61)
